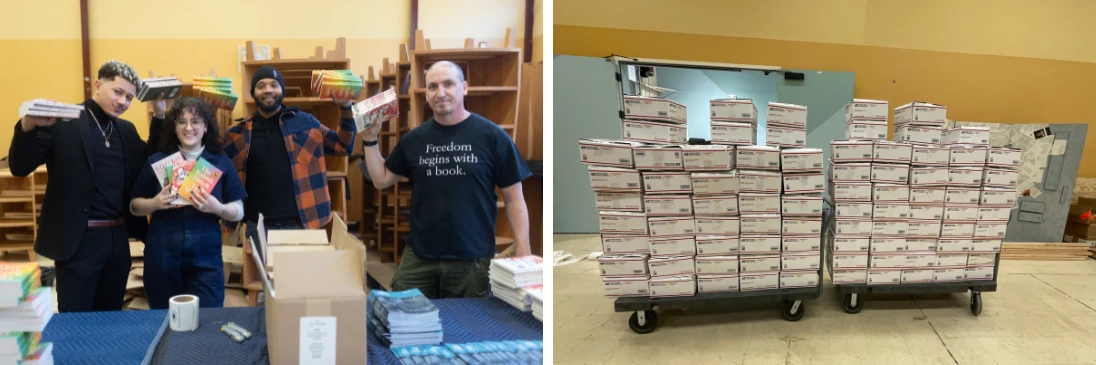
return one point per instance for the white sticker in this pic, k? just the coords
(317, 340)
(1059, 147)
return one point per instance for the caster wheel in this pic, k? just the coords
(793, 311)
(976, 303)
(849, 308)
(650, 322)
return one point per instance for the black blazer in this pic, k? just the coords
(66, 150)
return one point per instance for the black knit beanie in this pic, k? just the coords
(266, 72)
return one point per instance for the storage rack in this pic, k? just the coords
(20, 204)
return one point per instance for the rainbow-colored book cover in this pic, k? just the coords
(19, 276)
(218, 98)
(21, 342)
(203, 177)
(318, 75)
(340, 90)
(378, 108)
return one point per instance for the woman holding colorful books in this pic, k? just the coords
(183, 249)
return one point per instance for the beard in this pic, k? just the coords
(273, 107)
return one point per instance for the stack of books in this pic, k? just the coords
(186, 177)
(216, 91)
(152, 88)
(510, 277)
(492, 352)
(340, 84)
(377, 109)
(404, 318)
(536, 293)
(25, 309)
(50, 109)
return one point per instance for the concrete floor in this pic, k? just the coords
(1043, 313)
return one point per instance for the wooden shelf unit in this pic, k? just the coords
(20, 199)
(390, 205)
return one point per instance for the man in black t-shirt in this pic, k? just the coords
(454, 162)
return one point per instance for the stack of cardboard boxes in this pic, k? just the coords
(1081, 227)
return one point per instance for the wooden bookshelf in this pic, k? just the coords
(20, 199)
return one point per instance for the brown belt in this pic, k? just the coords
(106, 224)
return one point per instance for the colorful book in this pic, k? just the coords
(376, 109)
(17, 280)
(42, 354)
(50, 109)
(318, 75)
(18, 344)
(202, 177)
(163, 168)
(218, 98)
(152, 88)
(340, 90)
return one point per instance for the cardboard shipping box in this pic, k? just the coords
(982, 259)
(884, 276)
(615, 179)
(881, 244)
(801, 226)
(801, 160)
(967, 135)
(613, 244)
(759, 263)
(960, 195)
(994, 213)
(787, 115)
(671, 226)
(930, 155)
(925, 194)
(759, 181)
(853, 209)
(804, 183)
(760, 224)
(667, 182)
(733, 110)
(715, 183)
(667, 205)
(673, 286)
(920, 259)
(1003, 157)
(715, 204)
(917, 276)
(957, 229)
(801, 243)
(623, 264)
(734, 133)
(671, 265)
(891, 152)
(759, 280)
(948, 274)
(852, 276)
(921, 244)
(717, 245)
(658, 157)
(800, 261)
(854, 227)
(594, 151)
(624, 202)
(757, 245)
(998, 196)
(851, 244)
(757, 157)
(707, 265)
(642, 107)
(654, 132)
(926, 211)
(923, 228)
(758, 203)
(954, 245)
(976, 273)
(849, 260)
(955, 212)
(918, 113)
(717, 283)
(1002, 178)
(707, 157)
(951, 259)
(717, 225)
(891, 173)
(867, 109)
(862, 129)
(636, 286)
(799, 279)
(801, 205)
(890, 228)
(851, 151)
(850, 171)
(928, 176)
(887, 260)
(623, 223)
(965, 176)
(965, 155)
(916, 134)
(669, 246)
(892, 193)
(779, 136)
(851, 191)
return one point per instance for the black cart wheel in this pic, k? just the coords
(650, 321)
(849, 307)
(976, 303)
(793, 310)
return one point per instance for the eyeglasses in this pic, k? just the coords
(193, 123)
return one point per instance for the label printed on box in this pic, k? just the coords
(317, 340)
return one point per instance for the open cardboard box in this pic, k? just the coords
(316, 310)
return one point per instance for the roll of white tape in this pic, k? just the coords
(183, 310)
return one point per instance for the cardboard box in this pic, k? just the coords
(801, 205)
(921, 244)
(715, 204)
(891, 152)
(778, 136)
(930, 156)
(758, 203)
(854, 276)
(1003, 157)
(920, 135)
(879, 244)
(867, 109)
(623, 223)
(658, 157)
(671, 226)
(672, 246)
(958, 195)
(928, 195)
(799, 279)
(717, 283)
(852, 171)
(715, 183)
(994, 213)
(854, 227)
(920, 259)
(890, 173)
(648, 108)
(759, 245)
(953, 245)
(998, 196)
(707, 265)
(805, 226)
(759, 263)
(923, 228)
(602, 152)
(966, 155)
(801, 243)
(853, 209)
(614, 179)
(733, 110)
(760, 224)
(978, 273)
(735, 134)
(801, 160)
(957, 229)
(891, 228)
(758, 181)
(667, 182)
(926, 211)
(654, 132)
(982, 259)
(990, 229)
(967, 135)
(787, 115)
(757, 157)
(851, 244)
(851, 191)
(707, 157)
(1000, 178)
(851, 151)
(623, 265)
(673, 286)
(965, 176)
(1077, 213)
(624, 202)
(918, 113)
(928, 176)
(960, 212)
(849, 260)
(626, 286)
(914, 276)
(883, 210)
(884, 276)
(890, 193)
(804, 183)
(671, 265)
(887, 260)
(862, 129)
(667, 205)
(949, 274)
(716, 245)
(622, 244)
(759, 281)
(717, 225)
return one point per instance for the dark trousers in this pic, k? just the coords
(184, 262)
(94, 278)
(442, 278)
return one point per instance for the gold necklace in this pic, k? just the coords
(110, 127)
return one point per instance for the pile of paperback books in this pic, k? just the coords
(25, 309)
(378, 108)
(512, 278)
(217, 91)
(497, 352)
(186, 177)
(341, 84)
(404, 318)
(152, 88)
(50, 109)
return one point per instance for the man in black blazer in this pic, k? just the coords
(92, 161)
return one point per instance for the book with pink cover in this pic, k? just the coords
(202, 177)
(163, 168)
(377, 109)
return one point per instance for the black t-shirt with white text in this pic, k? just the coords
(453, 171)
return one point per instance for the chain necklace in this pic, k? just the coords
(106, 134)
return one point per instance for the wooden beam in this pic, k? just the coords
(428, 44)
(420, 40)
(371, 73)
(86, 46)
(527, 48)
(404, 57)
(414, 25)
(385, 69)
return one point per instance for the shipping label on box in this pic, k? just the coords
(716, 245)
(1003, 157)
(921, 135)
(854, 227)
(756, 203)
(963, 155)
(715, 183)
(1000, 178)
(851, 151)
(715, 204)
(957, 229)
(854, 276)
(788, 115)
(918, 113)
(754, 245)
(673, 286)
(994, 213)
(891, 152)
(888, 244)
(849, 260)
(928, 176)
(799, 279)
(965, 176)
(922, 259)
(890, 193)
(613, 244)
(654, 132)
(735, 134)
(990, 229)
(658, 157)
(890, 173)
(853, 209)
(759, 263)
(738, 110)
(886, 260)
(667, 205)
(757, 181)
(998, 196)
(867, 109)
(667, 183)
(717, 225)
(793, 226)
(921, 244)
(757, 157)
(985, 245)
(754, 224)
(626, 286)
(642, 107)
(879, 276)
(981, 259)
(671, 226)
(884, 210)
(928, 195)
(930, 156)
(852, 171)
(628, 223)
(707, 157)
(852, 191)
(926, 211)
(804, 183)
(778, 136)
(958, 195)
(851, 244)
(977, 273)
(888, 228)
(967, 135)
(801, 160)
(706, 265)
(801, 243)
(923, 228)
(953, 245)
(872, 130)
(960, 212)
(671, 265)
(913, 276)
(623, 264)
(614, 179)
(672, 246)
(950, 274)
(606, 152)
(801, 205)
(624, 202)
(717, 283)
(759, 281)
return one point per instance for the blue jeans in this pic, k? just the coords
(184, 259)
